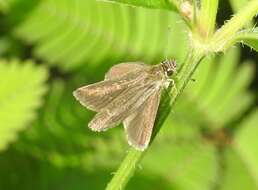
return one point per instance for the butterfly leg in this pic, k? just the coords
(173, 84)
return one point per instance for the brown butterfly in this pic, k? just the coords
(130, 93)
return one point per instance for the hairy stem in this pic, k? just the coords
(132, 159)
(238, 21)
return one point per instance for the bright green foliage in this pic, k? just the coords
(218, 95)
(192, 166)
(63, 123)
(208, 141)
(78, 33)
(247, 146)
(236, 169)
(191, 154)
(21, 89)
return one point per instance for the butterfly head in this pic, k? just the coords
(169, 67)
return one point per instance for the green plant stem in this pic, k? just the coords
(207, 17)
(227, 31)
(126, 170)
(132, 159)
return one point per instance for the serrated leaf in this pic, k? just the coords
(248, 37)
(69, 34)
(186, 165)
(220, 85)
(62, 123)
(21, 89)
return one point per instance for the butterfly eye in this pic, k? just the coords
(169, 72)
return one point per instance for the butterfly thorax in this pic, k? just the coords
(156, 73)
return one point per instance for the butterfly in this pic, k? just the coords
(129, 94)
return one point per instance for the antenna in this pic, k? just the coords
(167, 42)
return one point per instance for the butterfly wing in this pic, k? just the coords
(124, 105)
(139, 125)
(122, 69)
(98, 95)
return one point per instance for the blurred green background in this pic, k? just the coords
(49, 48)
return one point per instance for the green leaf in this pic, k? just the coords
(68, 34)
(249, 38)
(73, 34)
(220, 85)
(235, 173)
(156, 4)
(62, 123)
(18, 170)
(184, 164)
(246, 144)
(21, 89)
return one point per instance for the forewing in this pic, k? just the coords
(122, 106)
(122, 69)
(139, 125)
(117, 79)
(97, 96)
